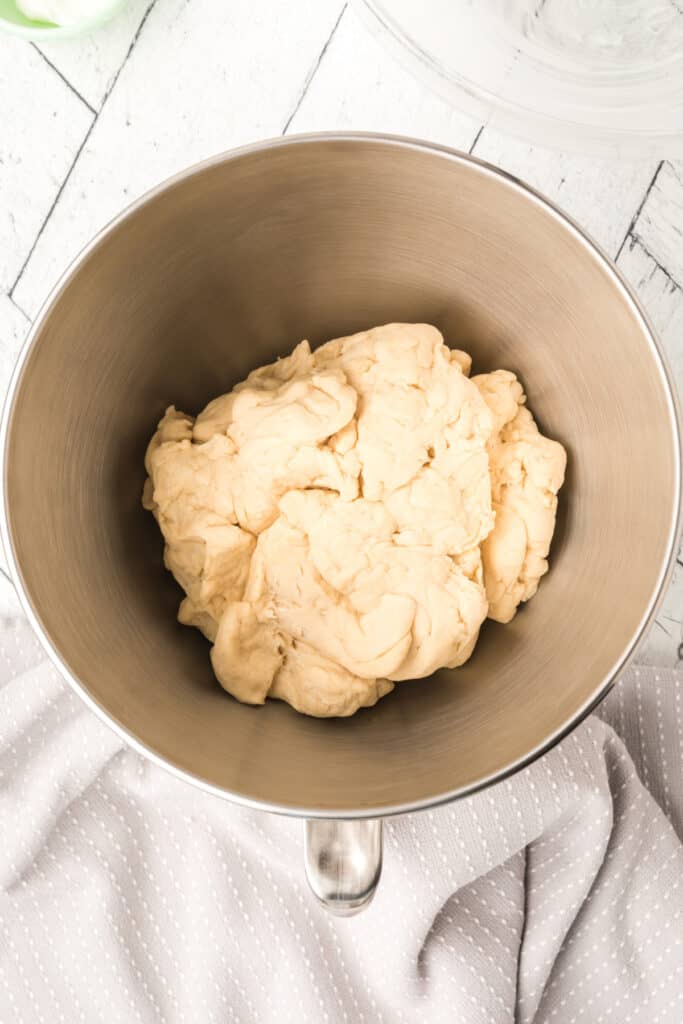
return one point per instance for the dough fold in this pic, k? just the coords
(347, 518)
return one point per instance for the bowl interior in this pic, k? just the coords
(228, 268)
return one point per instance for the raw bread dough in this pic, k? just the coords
(347, 518)
(527, 471)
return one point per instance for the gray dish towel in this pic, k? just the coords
(129, 896)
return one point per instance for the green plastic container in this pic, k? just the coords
(14, 22)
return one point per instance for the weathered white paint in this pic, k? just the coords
(13, 330)
(660, 224)
(225, 79)
(200, 77)
(90, 65)
(360, 87)
(42, 124)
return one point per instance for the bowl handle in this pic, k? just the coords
(343, 862)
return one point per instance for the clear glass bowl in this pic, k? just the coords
(600, 76)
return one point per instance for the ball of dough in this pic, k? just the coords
(347, 518)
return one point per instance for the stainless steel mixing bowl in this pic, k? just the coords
(226, 267)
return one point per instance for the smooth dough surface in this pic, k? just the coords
(347, 518)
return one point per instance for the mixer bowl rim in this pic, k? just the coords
(582, 238)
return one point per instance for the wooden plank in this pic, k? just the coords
(91, 63)
(660, 225)
(360, 87)
(225, 79)
(42, 125)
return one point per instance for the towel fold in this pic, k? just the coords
(128, 895)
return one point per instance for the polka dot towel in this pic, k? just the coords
(129, 896)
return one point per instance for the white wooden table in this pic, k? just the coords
(86, 126)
